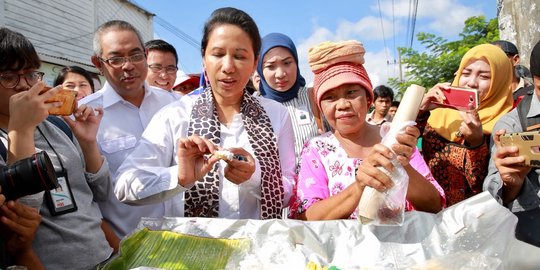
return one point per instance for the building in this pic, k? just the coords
(62, 30)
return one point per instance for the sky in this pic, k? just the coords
(381, 25)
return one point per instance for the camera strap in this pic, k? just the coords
(53, 120)
(60, 200)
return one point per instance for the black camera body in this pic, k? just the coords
(28, 176)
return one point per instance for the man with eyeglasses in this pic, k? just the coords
(162, 62)
(129, 103)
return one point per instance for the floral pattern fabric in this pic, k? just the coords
(326, 169)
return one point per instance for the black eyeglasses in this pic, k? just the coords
(159, 68)
(11, 80)
(118, 61)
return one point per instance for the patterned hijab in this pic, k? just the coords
(269, 42)
(496, 102)
(202, 200)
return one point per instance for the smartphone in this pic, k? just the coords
(460, 98)
(68, 99)
(528, 143)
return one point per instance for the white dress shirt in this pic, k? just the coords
(150, 173)
(119, 132)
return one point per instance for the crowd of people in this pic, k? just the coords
(253, 142)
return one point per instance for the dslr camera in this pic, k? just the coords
(28, 176)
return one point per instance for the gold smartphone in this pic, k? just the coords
(528, 143)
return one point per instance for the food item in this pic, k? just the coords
(170, 250)
(224, 154)
(67, 97)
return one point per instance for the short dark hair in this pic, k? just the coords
(16, 51)
(508, 47)
(162, 46)
(395, 103)
(383, 91)
(113, 25)
(74, 69)
(229, 15)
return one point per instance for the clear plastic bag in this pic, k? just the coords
(387, 208)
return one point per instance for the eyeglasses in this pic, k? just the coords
(118, 61)
(11, 80)
(159, 68)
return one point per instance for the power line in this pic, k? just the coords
(382, 29)
(413, 22)
(409, 15)
(394, 30)
(178, 33)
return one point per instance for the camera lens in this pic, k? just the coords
(28, 176)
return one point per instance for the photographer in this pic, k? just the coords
(509, 180)
(70, 236)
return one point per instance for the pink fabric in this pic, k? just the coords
(340, 74)
(326, 170)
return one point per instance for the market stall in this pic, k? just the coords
(474, 234)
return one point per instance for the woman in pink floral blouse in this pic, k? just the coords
(336, 166)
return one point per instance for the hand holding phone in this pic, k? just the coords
(528, 144)
(460, 98)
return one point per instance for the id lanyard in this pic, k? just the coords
(60, 200)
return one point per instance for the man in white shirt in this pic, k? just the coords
(383, 97)
(129, 104)
(162, 61)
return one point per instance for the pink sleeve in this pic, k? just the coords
(418, 163)
(312, 182)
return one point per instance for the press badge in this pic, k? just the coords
(302, 115)
(60, 200)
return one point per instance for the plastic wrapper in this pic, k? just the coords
(387, 208)
(477, 233)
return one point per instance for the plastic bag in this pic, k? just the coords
(387, 208)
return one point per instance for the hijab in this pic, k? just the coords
(495, 103)
(269, 42)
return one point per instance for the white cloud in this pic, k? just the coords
(369, 28)
(444, 16)
(376, 64)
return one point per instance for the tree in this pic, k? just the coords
(442, 57)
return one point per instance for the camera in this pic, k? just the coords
(28, 176)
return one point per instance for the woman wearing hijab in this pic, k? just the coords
(336, 166)
(280, 80)
(455, 143)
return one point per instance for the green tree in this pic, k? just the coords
(441, 59)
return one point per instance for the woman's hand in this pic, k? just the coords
(369, 175)
(471, 128)
(435, 94)
(406, 144)
(86, 123)
(28, 108)
(22, 223)
(192, 163)
(239, 171)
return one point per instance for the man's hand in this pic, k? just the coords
(511, 168)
